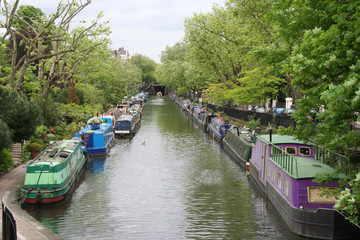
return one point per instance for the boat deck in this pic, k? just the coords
(55, 154)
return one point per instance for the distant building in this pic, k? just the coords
(121, 54)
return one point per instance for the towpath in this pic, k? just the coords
(28, 228)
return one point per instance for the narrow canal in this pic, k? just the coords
(171, 181)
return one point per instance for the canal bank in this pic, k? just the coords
(28, 228)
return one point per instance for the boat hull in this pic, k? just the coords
(54, 175)
(98, 151)
(321, 223)
(214, 134)
(231, 151)
(56, 196)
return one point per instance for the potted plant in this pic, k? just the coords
(34, 148)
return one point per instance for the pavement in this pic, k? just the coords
(28, 228)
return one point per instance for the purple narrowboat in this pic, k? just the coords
(284, 168)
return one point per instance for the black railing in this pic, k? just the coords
(265, 118)
(8, 224)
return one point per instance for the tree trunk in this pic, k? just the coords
(291, 91)
(21, 77)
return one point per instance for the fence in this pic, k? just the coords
(265, 118)
(8, 224)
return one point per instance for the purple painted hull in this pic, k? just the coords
(320, 223)
(301, 213)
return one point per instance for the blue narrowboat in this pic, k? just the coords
(218, 127)
(127, 124)
(202, 117)
(284, 168)
(98, 135)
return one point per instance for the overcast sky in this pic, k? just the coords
(140, 26)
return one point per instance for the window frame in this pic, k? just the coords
(292, 154)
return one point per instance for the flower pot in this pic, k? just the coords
(34, 154)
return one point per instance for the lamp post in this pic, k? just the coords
(85, 99)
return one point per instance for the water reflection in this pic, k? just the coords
(96, 164)
(170, 181)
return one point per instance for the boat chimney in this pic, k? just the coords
(238, 132)
(270, 133)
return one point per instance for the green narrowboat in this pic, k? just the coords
(55, 173)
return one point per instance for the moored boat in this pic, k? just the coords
(218, 127)
(127, 124)
(284, 168)
(55, 173)
(202, 117)
(238, 143)
(98, 135)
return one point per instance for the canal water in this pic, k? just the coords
(170, 181)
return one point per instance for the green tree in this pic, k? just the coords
(326, 68)
(147, 66)
(223, 42)
(5, 136)
(20, 115)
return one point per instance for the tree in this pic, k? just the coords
(147, 66)
(37, 33)
(5, 136)
(19, 114)
(223, 42)
(178, 73)
(326, 68)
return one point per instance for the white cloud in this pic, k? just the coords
(141, 26)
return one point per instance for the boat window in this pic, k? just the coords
(286, 187)
(291, 150)
(274, 175)
(276, 150)
(304, 151)
(279, 180)
(123, 123)
(315, 194)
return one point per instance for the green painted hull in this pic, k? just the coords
(54, 174)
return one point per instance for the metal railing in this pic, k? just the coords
(289, 163)
(331, 159)
(284, 160)
(8, 224)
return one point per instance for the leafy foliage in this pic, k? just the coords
(253, 123)
(19, 114)
(6, 160)
(5, 135)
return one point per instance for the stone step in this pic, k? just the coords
(16, 153)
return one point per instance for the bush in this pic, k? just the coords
(19, 114)
(252, 124)
(285, 131)
(34, 147)
(49, 112)
(6, 160)
(5, 135)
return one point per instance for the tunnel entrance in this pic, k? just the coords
(153, 89)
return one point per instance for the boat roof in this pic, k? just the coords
(220, 121)
(309, 167)
(55, 153)
(125, 117)
(241, 130)
(281, 139)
